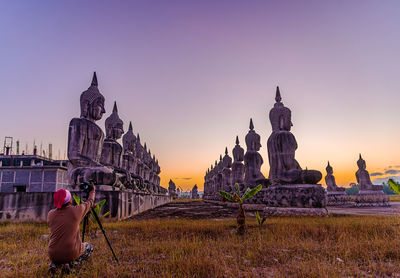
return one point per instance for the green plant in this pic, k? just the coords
(259, 220)
(97, 208)
(395, 186)
(236, 198)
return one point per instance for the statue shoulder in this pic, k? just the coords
(77, 122)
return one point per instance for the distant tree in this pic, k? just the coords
(388, 190)
(353, 189)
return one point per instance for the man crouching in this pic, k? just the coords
(65, 246)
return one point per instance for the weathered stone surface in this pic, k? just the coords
(339, 198)
(34, 206)
(371, 198)
(296, 195)
(282, 145)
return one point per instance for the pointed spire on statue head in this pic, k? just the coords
(138, 137)
(360, 156)
(226, 150)
(237, 140)
(145, 146)
(115, 109)
(278, 97)
(216, 163)
(130, 127)
(251, 124)
(220, 157)
(328, 163)
(94, 80)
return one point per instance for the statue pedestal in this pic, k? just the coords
(295, 195)
(371, 198)
(338, 198)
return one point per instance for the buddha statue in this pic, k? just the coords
(139, 161)
(363, 178)
(112, 150)
(252, 159)
(226, 172)
(218, 175)
(330, 181)
(85, 141)
(129, 143)
(237, 166)
(282, 145)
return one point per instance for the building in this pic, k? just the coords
(31, 173)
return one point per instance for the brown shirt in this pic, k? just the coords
(65, 240)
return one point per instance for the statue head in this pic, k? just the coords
(227, 160)
(138, 148)
(280, 116)
(361, 163)
(114, 125)
(92, 102)
(252, 139)
(238, 151)
(129, 140)
(329, 169)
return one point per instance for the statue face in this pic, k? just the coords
(286, 123)
(118, 131)
(96, 109)
(361, 165)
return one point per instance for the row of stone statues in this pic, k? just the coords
(246, 167)
(91, 156)
(288, 184)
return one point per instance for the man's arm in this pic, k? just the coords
(85, 207)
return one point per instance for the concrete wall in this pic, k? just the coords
(34, 206)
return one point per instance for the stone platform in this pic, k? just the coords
(339, 198)
(292, 211)
(34, 206)
(295, 196)
(371, 198)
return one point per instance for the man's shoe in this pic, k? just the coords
(66, 269)
(52, 268)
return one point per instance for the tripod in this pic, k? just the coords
(96, 217)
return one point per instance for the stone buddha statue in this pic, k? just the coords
(85, 141)
(129, 143)
(330, 181)
(282, 145)
(139, 157)
(363, 178)
(226, 172)
(218, 174)
(252, 159)
(112, 150)
(237, 166)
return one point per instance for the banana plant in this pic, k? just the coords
(97, 208)
(236, 198)
(259, 220)
(395, 186)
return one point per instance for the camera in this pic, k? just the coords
(87, 186)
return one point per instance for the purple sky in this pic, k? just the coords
(190, 74)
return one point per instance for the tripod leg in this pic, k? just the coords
(104, 232)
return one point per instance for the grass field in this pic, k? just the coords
(285, 247)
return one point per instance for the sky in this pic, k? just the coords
(191, 74)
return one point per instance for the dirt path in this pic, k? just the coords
(202, 210)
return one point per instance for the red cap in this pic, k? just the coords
(59, 197)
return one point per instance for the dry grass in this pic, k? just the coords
(394, 198)
(285, 247)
